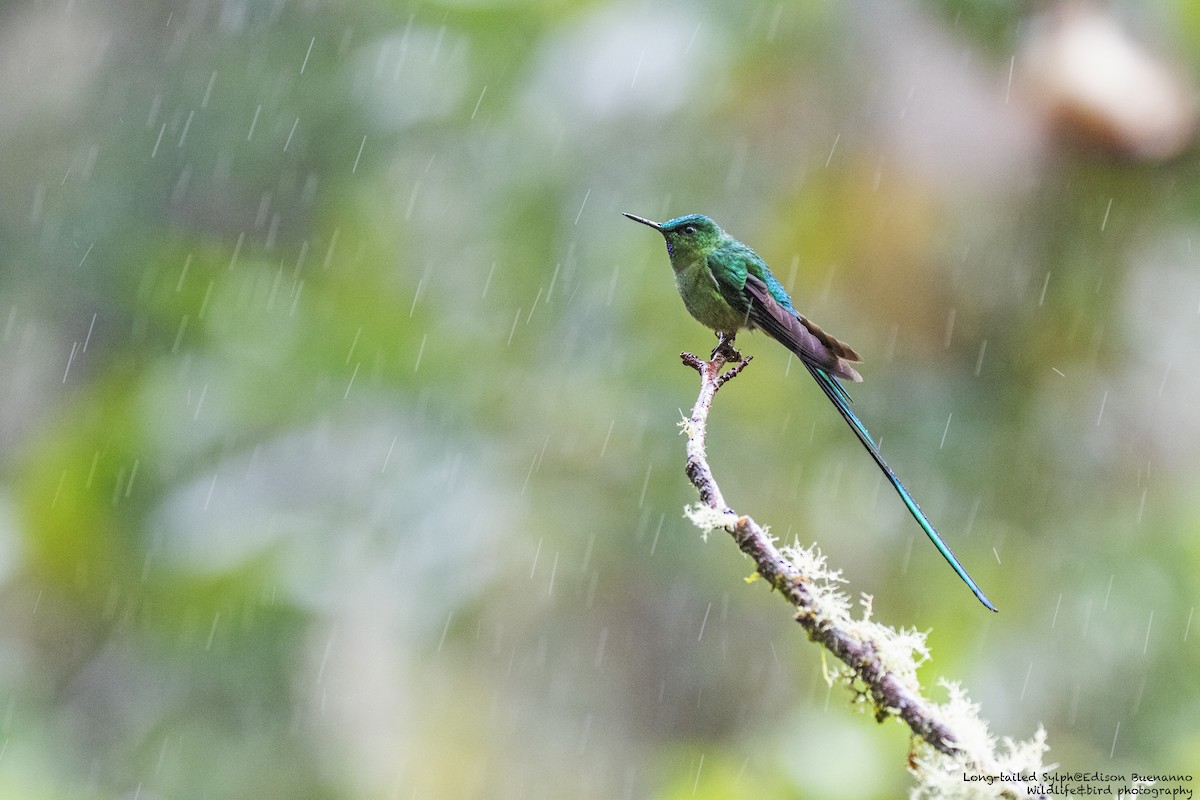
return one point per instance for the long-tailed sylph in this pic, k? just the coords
(726, 287)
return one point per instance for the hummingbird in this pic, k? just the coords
(726, 286)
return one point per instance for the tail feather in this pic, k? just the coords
(837, 395)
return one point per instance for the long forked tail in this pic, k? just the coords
(837, 395)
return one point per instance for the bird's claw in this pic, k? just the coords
(725, 349)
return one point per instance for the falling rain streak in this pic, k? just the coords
(420, 352)
(704, 622)
(1107, 209)
(478, 102)
(604, 447)
(582, 205)
(983, 349)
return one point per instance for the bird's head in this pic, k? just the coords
(693, 235)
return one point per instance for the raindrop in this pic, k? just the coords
(58, 490)
(96, 461)
(333, 240)
(536, 554)
(979, 360)
(183, 323)
(692, 40)
(311, 42)
(591, 590)
(388, 457)
(553, 572)
(1137, 698)
(773, 27)
(488, 282)
(637, 69)
(357, 334)
(291, 133)
(529, 316)
(212, 632)
(704, 622)
(553, 281)
(85, 255)
(604, 447)
(1166, 374)
(420, 352)
(417, 294)
(833, 149)
(477, 102)
(158, 141)
(155, 107)
(325, 658)
(1103, 402)
(70, 359)
(445, 630)
(360, 152)
(200, 402)
(533, 466)
(1025, 685)
(412, 198)
(187, 263)
(645, 484)
(513, 329)
(237, 249)
(586, 195)
(587, 552)
(186, 125)
(253, 124)
(212, 80)
(612, 284)
(657, 531)
(972, 514)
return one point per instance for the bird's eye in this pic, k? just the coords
(689, 229)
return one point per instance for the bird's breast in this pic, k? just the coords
(703, 299)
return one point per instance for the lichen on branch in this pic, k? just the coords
(879, 663)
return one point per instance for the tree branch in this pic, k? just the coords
(950, 742)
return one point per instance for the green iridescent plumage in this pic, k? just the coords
(727, 287)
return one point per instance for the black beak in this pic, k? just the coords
(657, 226)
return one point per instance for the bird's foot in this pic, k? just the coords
(725, 348)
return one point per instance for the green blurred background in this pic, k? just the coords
(338, 435)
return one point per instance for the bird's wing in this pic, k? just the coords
(784, 324)
(728, 269)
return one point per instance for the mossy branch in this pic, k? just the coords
(950, 742)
